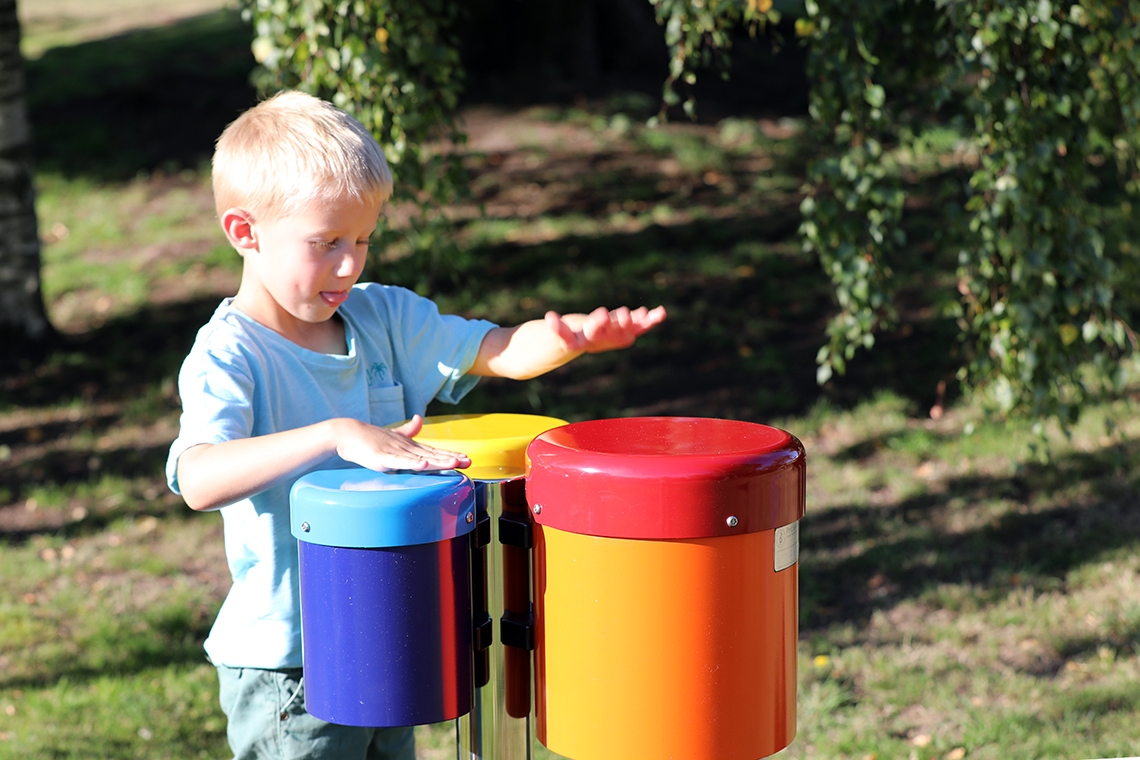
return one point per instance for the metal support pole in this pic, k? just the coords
(499, 726)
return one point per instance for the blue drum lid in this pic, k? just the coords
(361, 508)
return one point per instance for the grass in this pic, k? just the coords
(958, 599)
(47, 24)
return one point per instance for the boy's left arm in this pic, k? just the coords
(538, 346)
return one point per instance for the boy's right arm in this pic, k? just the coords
(211, 476)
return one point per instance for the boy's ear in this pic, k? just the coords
(237, 223)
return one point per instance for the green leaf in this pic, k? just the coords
(875, 95)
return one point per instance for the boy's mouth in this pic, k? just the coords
(334, 297)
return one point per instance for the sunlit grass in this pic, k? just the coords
(157, 712)
(108, 246)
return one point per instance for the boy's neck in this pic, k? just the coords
(327, 337)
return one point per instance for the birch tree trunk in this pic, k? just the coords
(23, 322)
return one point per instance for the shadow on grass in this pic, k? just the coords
(95, 386)
(907, 551)
(124, 359)
(747, 313)
(139, 490)
(142, 101)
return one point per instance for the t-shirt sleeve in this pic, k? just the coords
(217, 404)
(433, 351)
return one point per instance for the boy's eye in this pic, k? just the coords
(325, 245)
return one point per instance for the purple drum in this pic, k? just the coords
(385, 583)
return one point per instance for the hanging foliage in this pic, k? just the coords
(394, 65)
(1050, 96)
(1048, 93)
(1051, 93)
(699, 35)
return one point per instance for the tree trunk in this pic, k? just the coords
(23, 323)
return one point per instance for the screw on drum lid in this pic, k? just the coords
(666, 477)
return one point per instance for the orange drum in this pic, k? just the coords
(666, 596)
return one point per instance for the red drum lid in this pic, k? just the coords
(665, 477)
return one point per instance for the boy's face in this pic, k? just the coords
(299, 268)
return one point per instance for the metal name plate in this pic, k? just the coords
(787, 546)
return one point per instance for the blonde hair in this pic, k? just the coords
(292, 150)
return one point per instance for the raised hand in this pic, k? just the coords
(603, 329)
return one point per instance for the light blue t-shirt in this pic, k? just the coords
(241, 380)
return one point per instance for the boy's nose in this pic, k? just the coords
(351, 263)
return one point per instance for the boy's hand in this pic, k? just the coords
(532, 348)
(602, 329)
(381, 449)
(217, 474)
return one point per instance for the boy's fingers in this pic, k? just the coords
(559, 327)
(596, 323)
(646, 319)
(452, 458)
(433, 455)
(394, 449)
(599, 318)
(411, 428)
(604, 330)
(640, 320)
(433, 459)
(654, 317)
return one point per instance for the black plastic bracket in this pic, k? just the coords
(516, 630)
(482, 633)
(482, 530)
(515, 531)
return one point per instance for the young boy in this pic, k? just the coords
(301, 370)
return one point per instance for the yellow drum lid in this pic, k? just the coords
(496, 443)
